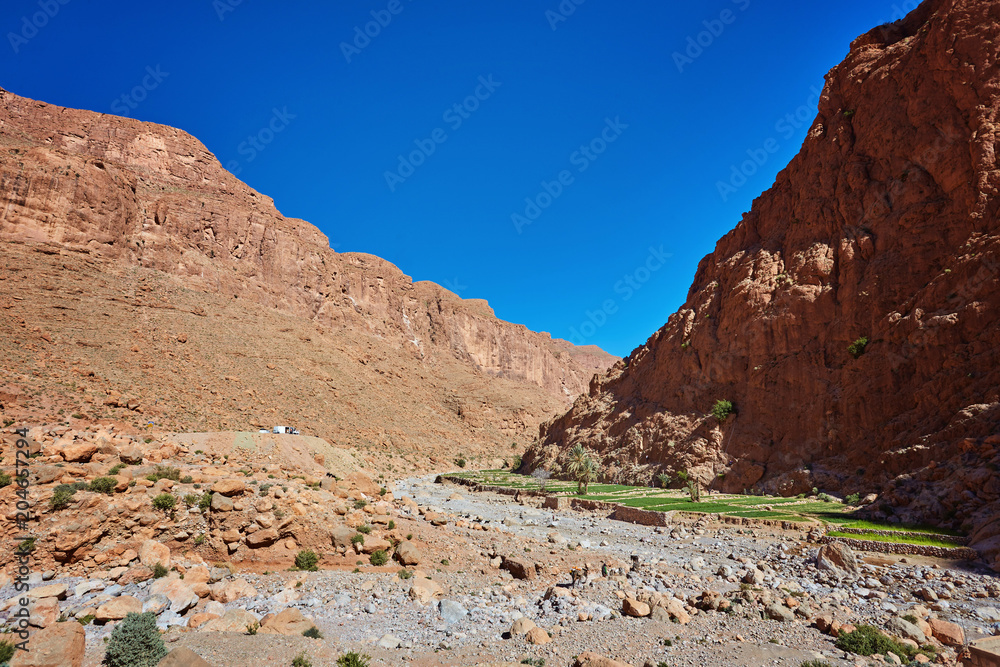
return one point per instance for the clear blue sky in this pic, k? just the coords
(224, 67)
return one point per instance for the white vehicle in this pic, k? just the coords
(288, 430)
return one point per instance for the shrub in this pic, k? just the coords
(252, 628)
(7, 651)
(26, 546)
(365, 530)
(358, 538)
(62, 496)
(105, 485)
(78, 415)
(206, 501)
(190, 500)
(86, 620)
(5, 480)
(164, 472)
(118, 467)
(868, 640)
(382, 491)
(360, 504)
(664, 479)
(187, 479)
(391, 525)
(405, 574)
(816, 663)
(857, 348)
(379, 558)
(306, 560)
(460, 462)
(722, 409)
(200, 540)
(534, 662)
(312, 633)
(516, 463)
(160, 570)
(852, 499)
(302, 661)
(135, 642)
(353, 659)
(164, 501)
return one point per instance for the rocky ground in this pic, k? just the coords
(474, 578)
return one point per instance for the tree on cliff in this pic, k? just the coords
(583, 468)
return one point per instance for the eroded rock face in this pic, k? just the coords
(123, 193)
(885, 227)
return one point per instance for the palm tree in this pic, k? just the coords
(583, 468)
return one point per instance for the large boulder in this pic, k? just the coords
(79, 452)
(152, 552)
(634, 608)
(234, 620)
(181, 596)
(230, 591)
(408, 554)
(229, 487)
(289, 622)
(949, 634)
(424, 590)
(59, 645)
(262, 538)
(838, 558)
(117, 609)
(518, 568)
(341, 536)
(220, 503)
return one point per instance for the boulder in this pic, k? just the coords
(152, 552)
(408, 554)
(424, 590)
(51, 591)
(183, 657)
(230, 591)
(588, 659)
(838, 558)
(373, 544)
(43, 612)
(537, 636)
(519, 569)
(131, 455)
(341, 536)
(289, 622)
(906, 630)
(181, 596)
(949, 634)
(234, 620)
(117, 608)
(80, 452)
(220, 503)
(521, 626)
(58, 645)
(452, 611)
(229, 487)
(779, 612)
(634, 608)
(262, 538)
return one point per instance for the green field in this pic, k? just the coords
(756, 507)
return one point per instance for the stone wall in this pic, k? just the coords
(960, 553)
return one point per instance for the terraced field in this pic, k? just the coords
(758, 507)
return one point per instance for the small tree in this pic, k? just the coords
(582, 467)
(694, 490)
(722, 409)
(664, 479)
(542, 475)
(306, 560)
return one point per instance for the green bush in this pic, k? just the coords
(164, 501)
(312, 633)
(5, 480)
(868, 640)
(187, 479)
(206, 501)
(460, 462)
(358, 538)
(360, 504)
(516, 463)
(405, 574)
(391, 525)
(190, 500)
(62, 496)
(306, 560)
(816, 663)
(135, 642)
(302, 661)
(253, 628)
(379, 558)
(852, 499)
(7, 651)
(857, 348)
(353, 659)
(105, 485)
(533, 662)
(365, 530)
(160, 570)
(164, 472)
(722, 409)
(118, 467)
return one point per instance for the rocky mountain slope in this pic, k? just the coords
(141, 281)
(851, 317)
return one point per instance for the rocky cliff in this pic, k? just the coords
(144, 223)
(851, 317)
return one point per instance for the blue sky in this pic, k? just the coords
(575, 185)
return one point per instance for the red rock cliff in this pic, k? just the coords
(884, 227)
